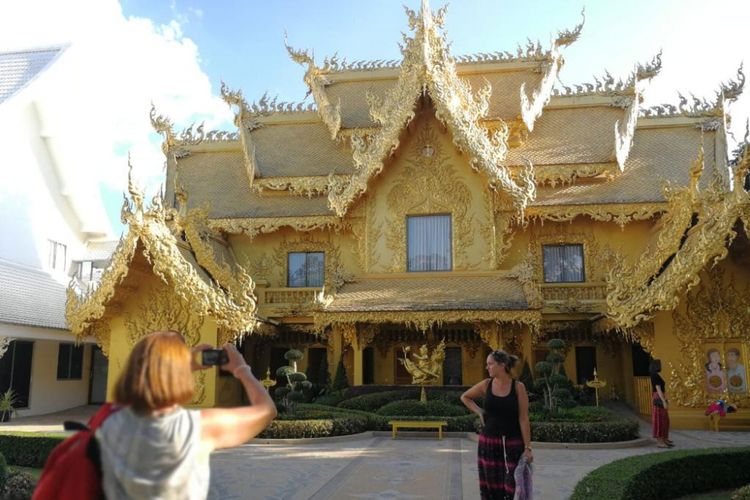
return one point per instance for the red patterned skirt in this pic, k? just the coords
(497, 462)
(659, 420)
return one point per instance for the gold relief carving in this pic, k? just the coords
(428, 66)
(199, 387)
(300, 186)
(490, 334)
(367, 230)
(620, 214)
(717, 312)
(366, 334)
(643, 333)
(102, 332)
(429, 185)
(518, 134)
(233, 309)
(695, 233)
(424, 320)
(348, 332)
(563, 174)
(262, 225)
(160, 310)
(334, 276)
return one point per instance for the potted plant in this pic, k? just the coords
(8, 401)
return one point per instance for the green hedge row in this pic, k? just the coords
(28, 449)
(372, 402)
(412, 407)
(585, 432)
(670, 474)
(324, 427)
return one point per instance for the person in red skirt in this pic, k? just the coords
(506, 432)
(659, 412)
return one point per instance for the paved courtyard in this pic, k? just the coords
(376, 467)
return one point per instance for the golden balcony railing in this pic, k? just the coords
(575, 297)
(289, 296)
(643, 395)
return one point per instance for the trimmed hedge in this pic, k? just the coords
(623, 429)
(371, 402)
(665, 475)
(28, 449)
(412, 407)
(324, 427)
(432, 390)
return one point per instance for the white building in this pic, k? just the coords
(52, 226)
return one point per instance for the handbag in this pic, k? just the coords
(657, 402)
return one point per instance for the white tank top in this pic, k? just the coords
(153, 457)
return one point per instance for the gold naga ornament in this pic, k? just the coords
(425, 367)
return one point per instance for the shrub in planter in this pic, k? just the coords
(371, 402)
(411, 407)
(20, 486)
(671, 474)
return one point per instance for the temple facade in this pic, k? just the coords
(459, 198)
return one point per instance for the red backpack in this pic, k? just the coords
(73, 469)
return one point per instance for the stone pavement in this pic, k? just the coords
(373, 466)
(377, 467)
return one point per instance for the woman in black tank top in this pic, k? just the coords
(506, 432)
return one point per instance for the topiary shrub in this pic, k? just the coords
(623, 429)
(671, 474)
(297, 382)
(411, 407)
(20, 486)
(551, 380)
(371, 402)
(340, 381)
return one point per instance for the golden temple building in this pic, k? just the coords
(459, 198)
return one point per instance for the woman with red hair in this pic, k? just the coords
(155, 448)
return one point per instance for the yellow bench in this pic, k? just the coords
(418, 424)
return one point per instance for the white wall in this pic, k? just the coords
(48, 394)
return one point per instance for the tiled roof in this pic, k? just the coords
(18, 69)
(486, 293)
(220, 180)
(657, 155)
(31, 297)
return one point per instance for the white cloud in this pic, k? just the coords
(121, 65)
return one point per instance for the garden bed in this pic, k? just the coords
(665, 475)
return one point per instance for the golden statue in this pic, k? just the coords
(424, 368)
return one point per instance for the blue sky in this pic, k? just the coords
(176, 53)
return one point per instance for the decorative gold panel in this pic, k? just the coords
(429, 184)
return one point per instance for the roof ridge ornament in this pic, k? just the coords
(531, 108)
(316, 82)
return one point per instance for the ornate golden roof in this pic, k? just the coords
(695, 233)
(225, 294)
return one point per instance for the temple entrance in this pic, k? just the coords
(585, 364)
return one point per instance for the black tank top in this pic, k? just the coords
(501, 413)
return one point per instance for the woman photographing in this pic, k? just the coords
(155, 448)
(506, 433)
